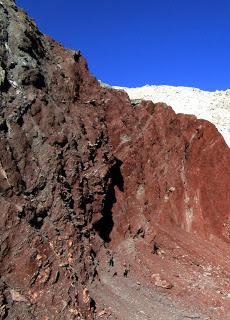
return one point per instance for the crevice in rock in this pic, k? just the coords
(38, 219)
(66, 195)
(105, 225)
(186, 151)
(4, 307)
(5, 86)
(20, 121)
(4, 127)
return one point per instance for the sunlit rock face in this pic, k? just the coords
(171, 165)
(212, 106)
(98, 192)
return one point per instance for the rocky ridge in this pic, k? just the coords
(110, 208)
(212, 106)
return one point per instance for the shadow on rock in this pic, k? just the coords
(105, 225)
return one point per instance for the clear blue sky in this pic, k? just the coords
(132, 43)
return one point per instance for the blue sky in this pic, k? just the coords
(132, 43)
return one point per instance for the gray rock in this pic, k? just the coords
(2, 76)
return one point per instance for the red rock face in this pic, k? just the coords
(98, 192)
(171, 166)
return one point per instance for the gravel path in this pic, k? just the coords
(131, 301)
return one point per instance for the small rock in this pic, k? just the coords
(17, 296)
(171, 189)
(86, 296)
(103, 312)
(2, 76)
(161, 282)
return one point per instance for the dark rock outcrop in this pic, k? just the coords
(82, 170)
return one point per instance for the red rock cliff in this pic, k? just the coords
(83, 169)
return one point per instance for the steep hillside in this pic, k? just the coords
(211, 106)
(109, 209)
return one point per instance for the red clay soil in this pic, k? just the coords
(109, 208)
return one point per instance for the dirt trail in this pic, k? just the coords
(129, 300)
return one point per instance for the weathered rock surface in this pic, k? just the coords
(98, 193)
(213, 106)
